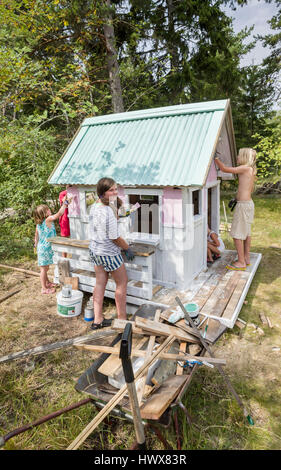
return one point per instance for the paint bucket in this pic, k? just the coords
(69, 306)
(66, 291)
(193, 311)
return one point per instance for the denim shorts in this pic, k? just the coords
(109, 263)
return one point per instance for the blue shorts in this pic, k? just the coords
(109, 263)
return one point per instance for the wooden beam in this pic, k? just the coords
(179, 370)
(160, 329)
(149, 350)
(73, 281)
(26, 271)
(7, 296)
(155, 406)
(142, 353)
(64, 270)
(42, 349)
(112, 366)
(119, 325)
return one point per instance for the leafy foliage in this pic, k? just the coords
(269, 150)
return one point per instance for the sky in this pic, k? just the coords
(255, 13)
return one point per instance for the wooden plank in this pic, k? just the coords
(142, 353)
(138, 248)
(10, 294)
(112, 365)
(90, 279)
(219, 301)
(215, 331)
(64, 270)
(263, 318)
(179, 370)
(179, 324)
(119, 325)
(73, 281)
(42, 349)
(269, 322)
(248, 275)
(160, 329)
(228, 312)
(221, 294)
(156, 289)
(69, 242)
(26, 271)
(240, 323)
(155, 406)
(149, 349)
(116, 399)
(129, 299)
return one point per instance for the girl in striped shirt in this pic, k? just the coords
(105, 251)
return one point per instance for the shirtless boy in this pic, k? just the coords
(244, 210)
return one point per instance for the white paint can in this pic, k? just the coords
(88, 314)
(69, 306)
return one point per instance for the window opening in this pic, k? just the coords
(146, 219)
(91, 197)
(196, 202)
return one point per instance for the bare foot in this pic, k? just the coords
(50, 284)
(48, 291)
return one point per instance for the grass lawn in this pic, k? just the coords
(32, 388)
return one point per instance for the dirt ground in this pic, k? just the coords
(32, 317)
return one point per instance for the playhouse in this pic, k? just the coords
(162, 159)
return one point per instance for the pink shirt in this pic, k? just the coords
(63, 220)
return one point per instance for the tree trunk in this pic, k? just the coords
(112, 63)
(171, 47)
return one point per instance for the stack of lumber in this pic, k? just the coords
(152, 340)
(148, 336)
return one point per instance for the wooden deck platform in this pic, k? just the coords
(219, 292)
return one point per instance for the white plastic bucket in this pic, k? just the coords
(69, 306)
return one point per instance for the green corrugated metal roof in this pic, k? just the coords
(170, 146)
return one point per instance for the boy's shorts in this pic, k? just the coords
(243, 216)
(109, 263)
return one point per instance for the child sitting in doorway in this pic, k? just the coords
(215, 246)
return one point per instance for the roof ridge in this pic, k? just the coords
(150, 113)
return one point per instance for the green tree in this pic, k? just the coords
(269, 154)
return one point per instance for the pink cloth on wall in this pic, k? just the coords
(63, 220)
